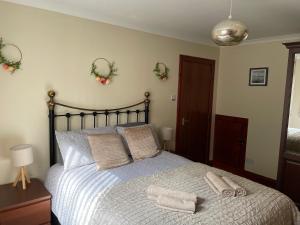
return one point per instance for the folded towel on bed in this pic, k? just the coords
(154, 191)
(219, 185)
(239, 191)
(175, 204)
(210, 184)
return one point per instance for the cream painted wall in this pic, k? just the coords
(58, 51)
(294, 120)
(262, 105)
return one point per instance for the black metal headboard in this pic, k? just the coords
(93, 113)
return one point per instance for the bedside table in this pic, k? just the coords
(25, 207)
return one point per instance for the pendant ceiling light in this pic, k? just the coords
(229, 32)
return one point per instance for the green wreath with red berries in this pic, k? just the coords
(9, 65)
(161, 73)
(103, 78)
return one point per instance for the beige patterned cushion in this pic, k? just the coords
(108, 150)
(141, 142)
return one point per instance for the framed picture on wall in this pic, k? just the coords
(258, 76)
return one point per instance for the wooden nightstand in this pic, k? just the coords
(25, 207)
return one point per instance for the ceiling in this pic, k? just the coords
(190, 20)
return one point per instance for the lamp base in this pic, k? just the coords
(23, 177)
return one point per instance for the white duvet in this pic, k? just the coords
(117, 196)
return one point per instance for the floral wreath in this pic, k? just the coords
(9, 65)
(157, 71)
(104, 78)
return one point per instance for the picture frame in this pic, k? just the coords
(258, 76)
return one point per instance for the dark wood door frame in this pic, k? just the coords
(210, 100)
(283, 155)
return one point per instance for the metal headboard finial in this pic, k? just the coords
(147, 95)
(51, 102)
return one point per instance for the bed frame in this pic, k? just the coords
(94, 114)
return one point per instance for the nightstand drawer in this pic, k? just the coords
(35, 214)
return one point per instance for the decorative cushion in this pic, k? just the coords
(121, 128)
(141, 142)
(108, 150)
(74, 146)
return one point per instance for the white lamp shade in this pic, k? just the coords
(21, 155)
(166, 133)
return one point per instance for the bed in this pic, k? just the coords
(293, 140)
(85, 196)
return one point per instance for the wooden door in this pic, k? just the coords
(230, 139)
(195, 94)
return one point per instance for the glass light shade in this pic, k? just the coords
(229, 32)
(166, 133)
(21, 155)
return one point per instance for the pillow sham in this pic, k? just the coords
(121, 128)
(132, 124)
(141, 142)
(108, 150)
(100, 130)
(74, 147)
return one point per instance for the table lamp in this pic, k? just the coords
(22, 156)
(166, 134)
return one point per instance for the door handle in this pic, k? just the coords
(183, 121)
(241, 141)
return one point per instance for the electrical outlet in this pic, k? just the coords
(173, 98)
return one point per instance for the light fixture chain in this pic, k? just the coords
(230, 12)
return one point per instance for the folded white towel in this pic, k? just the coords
(175, 204)
(220, 185)
(239, 191)
(154, 191)
(211, 185)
